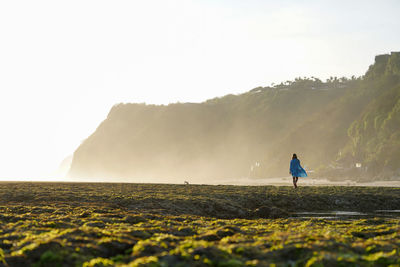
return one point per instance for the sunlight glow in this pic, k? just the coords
(63, 65)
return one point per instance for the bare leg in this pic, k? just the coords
(297, 178)
(294, 182)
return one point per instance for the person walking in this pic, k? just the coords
(296, 170)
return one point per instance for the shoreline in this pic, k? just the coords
(282, 181)
(221, 201)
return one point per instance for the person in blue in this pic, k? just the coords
(296, 170)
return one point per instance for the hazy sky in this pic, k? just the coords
(63, 64)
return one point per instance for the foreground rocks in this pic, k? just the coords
(50, 224)
(91, 236)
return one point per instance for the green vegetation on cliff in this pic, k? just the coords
(375, 136)
(331, 125)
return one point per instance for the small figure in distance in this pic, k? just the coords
(296, 170)
(186, 182)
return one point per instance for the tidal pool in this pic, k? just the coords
(341, 214)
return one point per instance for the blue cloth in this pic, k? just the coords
(296, 170)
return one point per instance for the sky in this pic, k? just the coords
(64, 64)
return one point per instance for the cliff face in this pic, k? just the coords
(346, 131)
(375, 135)
(219, 138)
(385, 65)
(251, 134)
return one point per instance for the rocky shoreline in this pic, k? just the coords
(220, 201)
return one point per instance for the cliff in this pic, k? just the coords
(251, 134)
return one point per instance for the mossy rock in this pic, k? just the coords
(141, 234)
(133, 219)
(39, 250)
(112, 248)
(98, 224)
(50, 258)
(184, 231)
(269, 212)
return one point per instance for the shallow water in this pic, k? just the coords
(287, 181)
(396, 211)
(339, 214)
